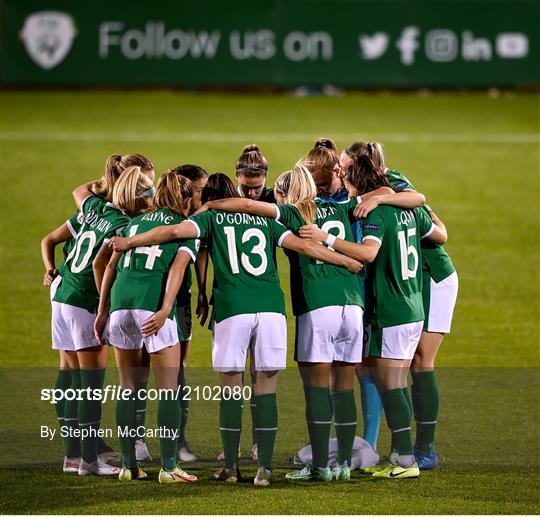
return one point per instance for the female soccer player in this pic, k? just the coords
(328, 306)
(143, 285)
(76, 298)
(103, 187)
(391, 246)
(69, 376)
(326, 171)
(251, 174)
(198, 177)
(324, 164)
(439, 293)
(66, 411)
(242, 247)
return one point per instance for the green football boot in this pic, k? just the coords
(311, 474)
(398, 472)
(342, 472)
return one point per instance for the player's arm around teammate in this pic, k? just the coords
(141, 317)
(328, 307)
(371, 198)
(439, 293)
(391, 245)
(76, 300)
(241, 266)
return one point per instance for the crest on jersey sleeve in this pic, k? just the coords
(48, 37)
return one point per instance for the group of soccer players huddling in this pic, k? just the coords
(372, 289)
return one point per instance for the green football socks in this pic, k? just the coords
(184, 405)
(73, 443)
(168, 420)
(141, 404)
(345, 424)
(230, 426)
(425, 397)
(319, 422)
(63, 382)
(265, 424)
(398, 418)
(126, 420)
(89, 412)
(253, 410)
(407, 394)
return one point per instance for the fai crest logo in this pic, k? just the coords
(48, 36)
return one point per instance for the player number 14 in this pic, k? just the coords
(152, 252)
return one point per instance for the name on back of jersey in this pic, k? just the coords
(240, 218)
(404, 217)
(160, 217)
(324, 211)
(93, 220)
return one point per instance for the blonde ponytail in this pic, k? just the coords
(127, 188)
(114, 166)
(104, 186)
(173, 192)
(302, 192)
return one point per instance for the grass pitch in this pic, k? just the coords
(477, 160)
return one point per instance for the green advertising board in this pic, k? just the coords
(352, 43)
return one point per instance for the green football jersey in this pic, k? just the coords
(267, 195)
(397, 181)
(101, 221)
(315, 284)
(241, 247)
(435, 260)
(393, 280)
(74, 225)
(142, 272)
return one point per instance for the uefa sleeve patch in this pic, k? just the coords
(400, 186)
(371, 226)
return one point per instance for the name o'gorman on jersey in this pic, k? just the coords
(94, 221)
(240, 218)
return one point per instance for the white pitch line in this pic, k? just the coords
(405, 138)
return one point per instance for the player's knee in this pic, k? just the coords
(421, 362)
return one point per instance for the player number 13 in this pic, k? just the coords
(258, 249)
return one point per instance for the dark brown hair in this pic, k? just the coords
(191, 172)
(323, 158)
(252, 162)
(219, 186)
(365, 175)
(372, 150)
(325, 143)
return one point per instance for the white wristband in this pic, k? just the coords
(359, 199)
(330, 240)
